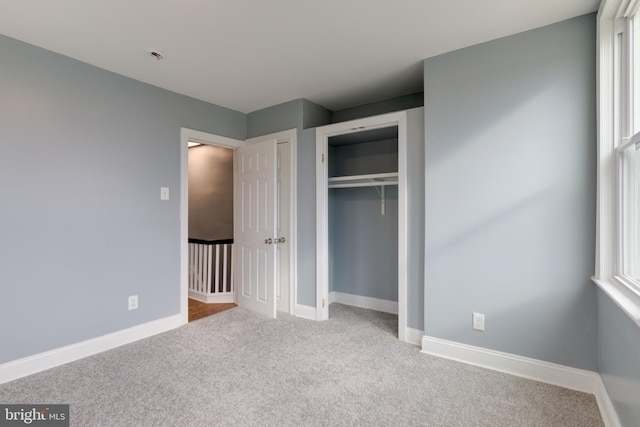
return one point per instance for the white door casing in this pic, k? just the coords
(190, 135)
(323, 133)
(255, 226)
(186, 136)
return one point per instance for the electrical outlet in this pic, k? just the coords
(133, 302)
(478, 321)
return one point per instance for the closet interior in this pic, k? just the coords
(363, 218)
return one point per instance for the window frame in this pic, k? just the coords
(615, 121)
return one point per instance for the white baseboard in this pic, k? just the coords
(332, 297)
(370, 303)
(564, 376)
(551, 373)
(414, 336)
(211, 299)
(306, 312)
(49, 359)
(607, 410)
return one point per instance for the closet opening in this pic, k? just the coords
(363, 219)
(361, 216)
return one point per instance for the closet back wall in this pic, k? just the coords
(363, 243)
(362, 159)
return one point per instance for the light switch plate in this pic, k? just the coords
(164, 193)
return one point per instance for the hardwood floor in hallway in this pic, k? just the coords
(198, 310)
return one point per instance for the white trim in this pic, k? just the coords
(377, 304)
(551, 373)
(332, 297)
(306, 312)
(322, 229)
(414, 336)
(209, 138)
(225, 297)
(538, 370)
(187, 135)
(50, 359)
(606, 184)
(608, 230)
(291, 138)
(184, 225)
(607, 410)
(282, 136)
(632, 8)
(628, 142)
(624, 297)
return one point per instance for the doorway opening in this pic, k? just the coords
(210, 176)
(284, 212)
(362, 216)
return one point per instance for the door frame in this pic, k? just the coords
(190, 135)
(323, 133)
(186, 136)
(290, 138)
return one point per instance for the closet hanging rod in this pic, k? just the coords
(377, 179)
(379, 176)
(371, 183)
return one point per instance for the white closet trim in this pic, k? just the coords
(323, 133)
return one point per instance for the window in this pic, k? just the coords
(628, 158)
(618, 233)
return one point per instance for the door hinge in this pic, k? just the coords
(323, 302)
(322, 157)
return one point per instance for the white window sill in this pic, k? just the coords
(625, 297)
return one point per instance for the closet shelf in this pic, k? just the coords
(375, 179)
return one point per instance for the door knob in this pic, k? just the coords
(282, 240)
(268, 241)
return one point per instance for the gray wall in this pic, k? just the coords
(307, 217)
(314, 115)
(285, 116)
(619, 352)
(363, 244)
(83, 154)
(415, 218)
(400, 103)
(510, 194)
(363, 158)
(210, 193)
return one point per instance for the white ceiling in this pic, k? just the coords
(251, 54)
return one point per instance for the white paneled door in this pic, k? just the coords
(282, 220)
(255, 226)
